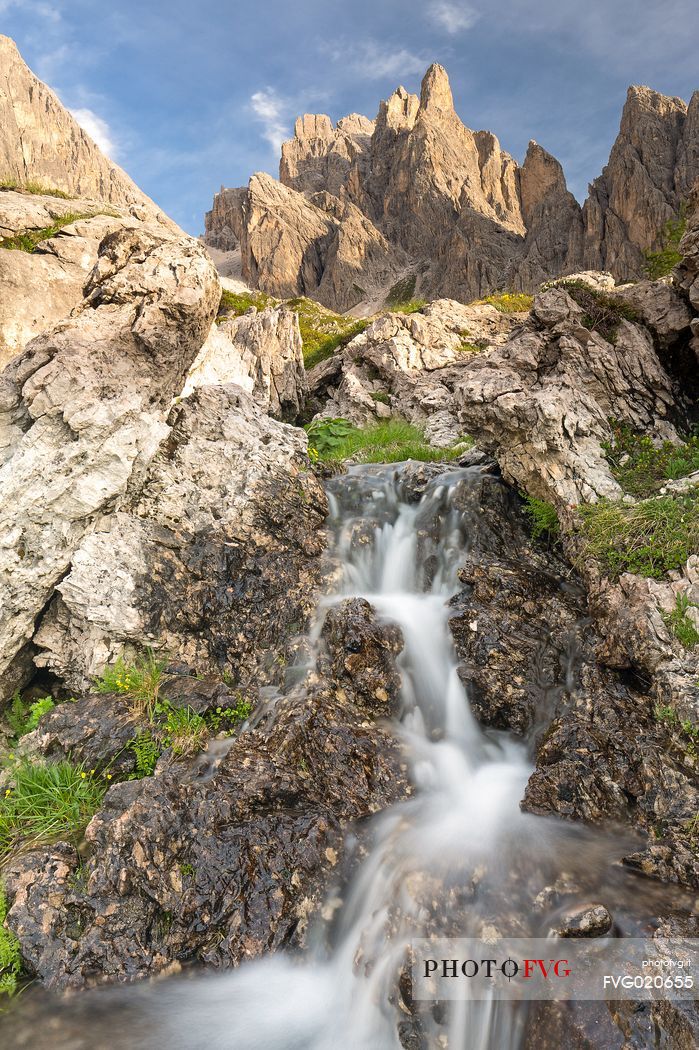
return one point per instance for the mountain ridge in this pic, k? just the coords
(455, 209)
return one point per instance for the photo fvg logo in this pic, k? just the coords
(523, 969)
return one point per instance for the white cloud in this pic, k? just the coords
(98, 130)
(453, 17)
(41, 9)
(271, 111)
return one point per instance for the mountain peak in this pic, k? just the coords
(435, 93)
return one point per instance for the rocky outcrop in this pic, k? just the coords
(41, 287)
(41, 142)
(271, 805)
(543, 401)
(409, 365)
(450, 207)
(82, 411)
(227, 517)
(651, 169)
(260, 352)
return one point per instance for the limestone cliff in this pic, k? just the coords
(447, 208)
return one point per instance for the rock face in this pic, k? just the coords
(41, 287)
(447, 207)
(409, 365)
(260, 352)
(227, 517)
(82, 411)
(41, 141)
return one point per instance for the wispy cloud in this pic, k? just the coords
(453, 17)
(373, 61)
(272, 112)
(37, 8)
(98, 129)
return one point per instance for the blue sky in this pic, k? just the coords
(190, 94)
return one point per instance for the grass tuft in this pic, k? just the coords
(391, 441)
(140, 682)
(648, 538)
(680, 624)
(234, 304)
(45, 802)
(30, 239)
(663, 262)
(37, 188)
(640, 467)
(509, 302)
(23, 718)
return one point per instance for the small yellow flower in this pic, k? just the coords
(91, 772)
(83, 775)
(109, 776)
(8, 792)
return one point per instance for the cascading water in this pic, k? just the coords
(448, 860)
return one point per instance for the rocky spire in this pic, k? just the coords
(435, 93)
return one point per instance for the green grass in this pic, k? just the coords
(640, 467)
(28, 241)
(648, 538)
(183, 731)
(23, 718)
(601, 312)
(663, 262)
(391, 441)
(33, 187)
(322, 331)
(543, 518)
(680, 624)
(475, 347)
(409, 306)
(509, 302)
(139, 682)
(10, 959)
(687, 730)
(233, 304)
(401, 292)
(46, 802)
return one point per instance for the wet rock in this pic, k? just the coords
(361, 655)
(216, 858)
(93, 731)
(585, 921)
(199, 695)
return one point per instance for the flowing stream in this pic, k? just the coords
(460, 839)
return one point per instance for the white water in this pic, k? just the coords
(460, 840)
(465, 812)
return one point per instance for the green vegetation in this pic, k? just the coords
(648, 538)
(601, 312)
(403, 291)
(146, 753)
(45, 802)
(410, 306)
(474, 347)
(34, 188)
(509, 302)
(10, 959)
(640, 467)
(233, 304)
(663, 262)
(680, 624)
(542, 517)
(139, 681)
(23, 718)
(28, 241)
(322, 331)
(381, 397)
(183, 731)
(391, 441)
